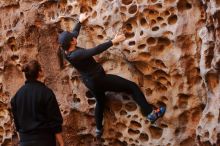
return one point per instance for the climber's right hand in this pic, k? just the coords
(118, 38)
(83, 17)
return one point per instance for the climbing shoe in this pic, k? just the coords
(156, 114)
(99, 133)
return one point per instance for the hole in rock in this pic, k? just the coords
(151, 41)
(116, 105)
(76, 100)
(69, 9)
(129, 35)
(111, 131)
(132, 9)
(130, 106)
(143, 22)
(152, 22)
(89, 94)
(196, 113)
(164, 98)
(153, 1)
(143, 137)
(159, 19)
(159, 63)
(172, 19)
(116, 11)
(160, 87)
(123, 113)
(163, 41)
(183, 5)
(123, 9)
(133, 132)
(209, 54)
(14, 57)
(155, 132)
(148, 91)
(126, 51)
(91, 101)
(153, 12)
(142, 46)
(141, 33)
(118, 134)
(180, 130)
(207, 134)
(163, 25)
(159, 6)
(127, 2)
(212, 79)
(134, 124)
(21, 14)
(121, 126)
(94, 14)
(84, 8)
(210, 116)
(155, 28)
(183, 100)
(100, 37)
(131, 43)
(128, 27)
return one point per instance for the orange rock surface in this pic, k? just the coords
(172, 52)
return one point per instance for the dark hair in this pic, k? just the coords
(60, 54)
(65, 39)
(31, 69)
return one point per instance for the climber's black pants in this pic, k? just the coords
(101, 82)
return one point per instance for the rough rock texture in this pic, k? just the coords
(172, 52)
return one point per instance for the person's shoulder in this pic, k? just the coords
(22, 88)
(47, 89)
(74, 52)
(78, 48)
(19, 91)
(48, 94)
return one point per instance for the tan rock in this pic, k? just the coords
(171, 51)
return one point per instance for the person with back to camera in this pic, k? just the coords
(35, 110)
(95, 78)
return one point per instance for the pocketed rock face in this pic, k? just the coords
(172, 52)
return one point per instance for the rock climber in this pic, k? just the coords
(95, 78)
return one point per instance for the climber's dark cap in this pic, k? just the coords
(65, 38)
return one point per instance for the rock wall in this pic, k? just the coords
(172, 52)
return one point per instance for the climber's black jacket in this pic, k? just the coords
(82, 59)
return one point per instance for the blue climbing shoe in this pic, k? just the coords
(156, 114)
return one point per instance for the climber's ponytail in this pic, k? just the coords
(61, 54)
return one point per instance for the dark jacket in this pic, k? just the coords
(82, 59)
(35, 109)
